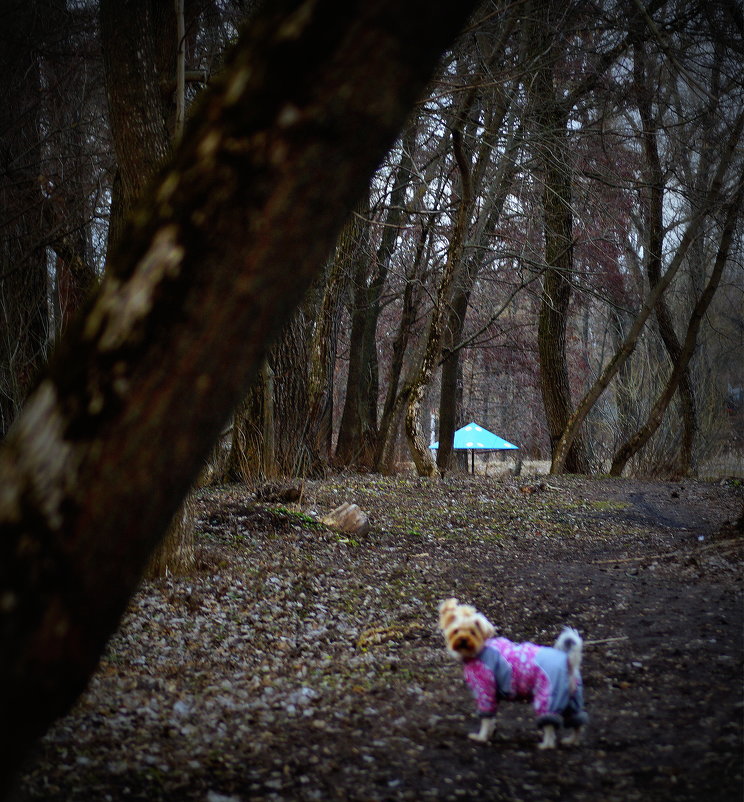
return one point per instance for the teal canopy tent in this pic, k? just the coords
(475, 438)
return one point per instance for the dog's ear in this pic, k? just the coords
(447, 604)
(485, 627)
(447, 613)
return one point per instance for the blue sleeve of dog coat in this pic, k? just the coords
(500, 668)
(489, 678)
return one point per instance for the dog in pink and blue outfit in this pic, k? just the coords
(497, 668)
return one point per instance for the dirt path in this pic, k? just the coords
(302, 665)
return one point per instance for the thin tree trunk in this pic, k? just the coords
(418, 442)
(556, 290)
(451, 382)
(489, 216)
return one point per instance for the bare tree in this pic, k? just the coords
(682, 199)
(641, 437)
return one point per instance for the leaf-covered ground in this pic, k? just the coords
(300, 664)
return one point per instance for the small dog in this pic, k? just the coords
(496, 668)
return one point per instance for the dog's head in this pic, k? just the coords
(465, 630)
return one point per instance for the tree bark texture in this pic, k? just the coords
(357, 428)
(178, 547)
(290, 359)
(323, 346)
(325, 335)
(221, 249)
(138, 39)
(137, 36)
(450, 395)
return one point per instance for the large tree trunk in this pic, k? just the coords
(323, 347)
(178, 547)
(289, 360)
(358, 432)
(394, 401)
(221, 249)
(552, 118)
(248, 458)
(135, 38)
(139, 43)
(356, 429)
(69, 216)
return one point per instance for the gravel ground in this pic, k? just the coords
(297, 663)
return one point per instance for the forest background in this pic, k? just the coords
(571, 170)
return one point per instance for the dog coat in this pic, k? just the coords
(506, 670)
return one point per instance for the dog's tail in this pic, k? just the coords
(569, 641)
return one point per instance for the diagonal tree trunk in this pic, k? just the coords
(110, 442)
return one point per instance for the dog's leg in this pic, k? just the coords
(488, 725)
(573, 738)
(548, 741)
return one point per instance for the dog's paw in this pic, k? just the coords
(548, 740)
(487, 726)
(544, 745)
(573, 738)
